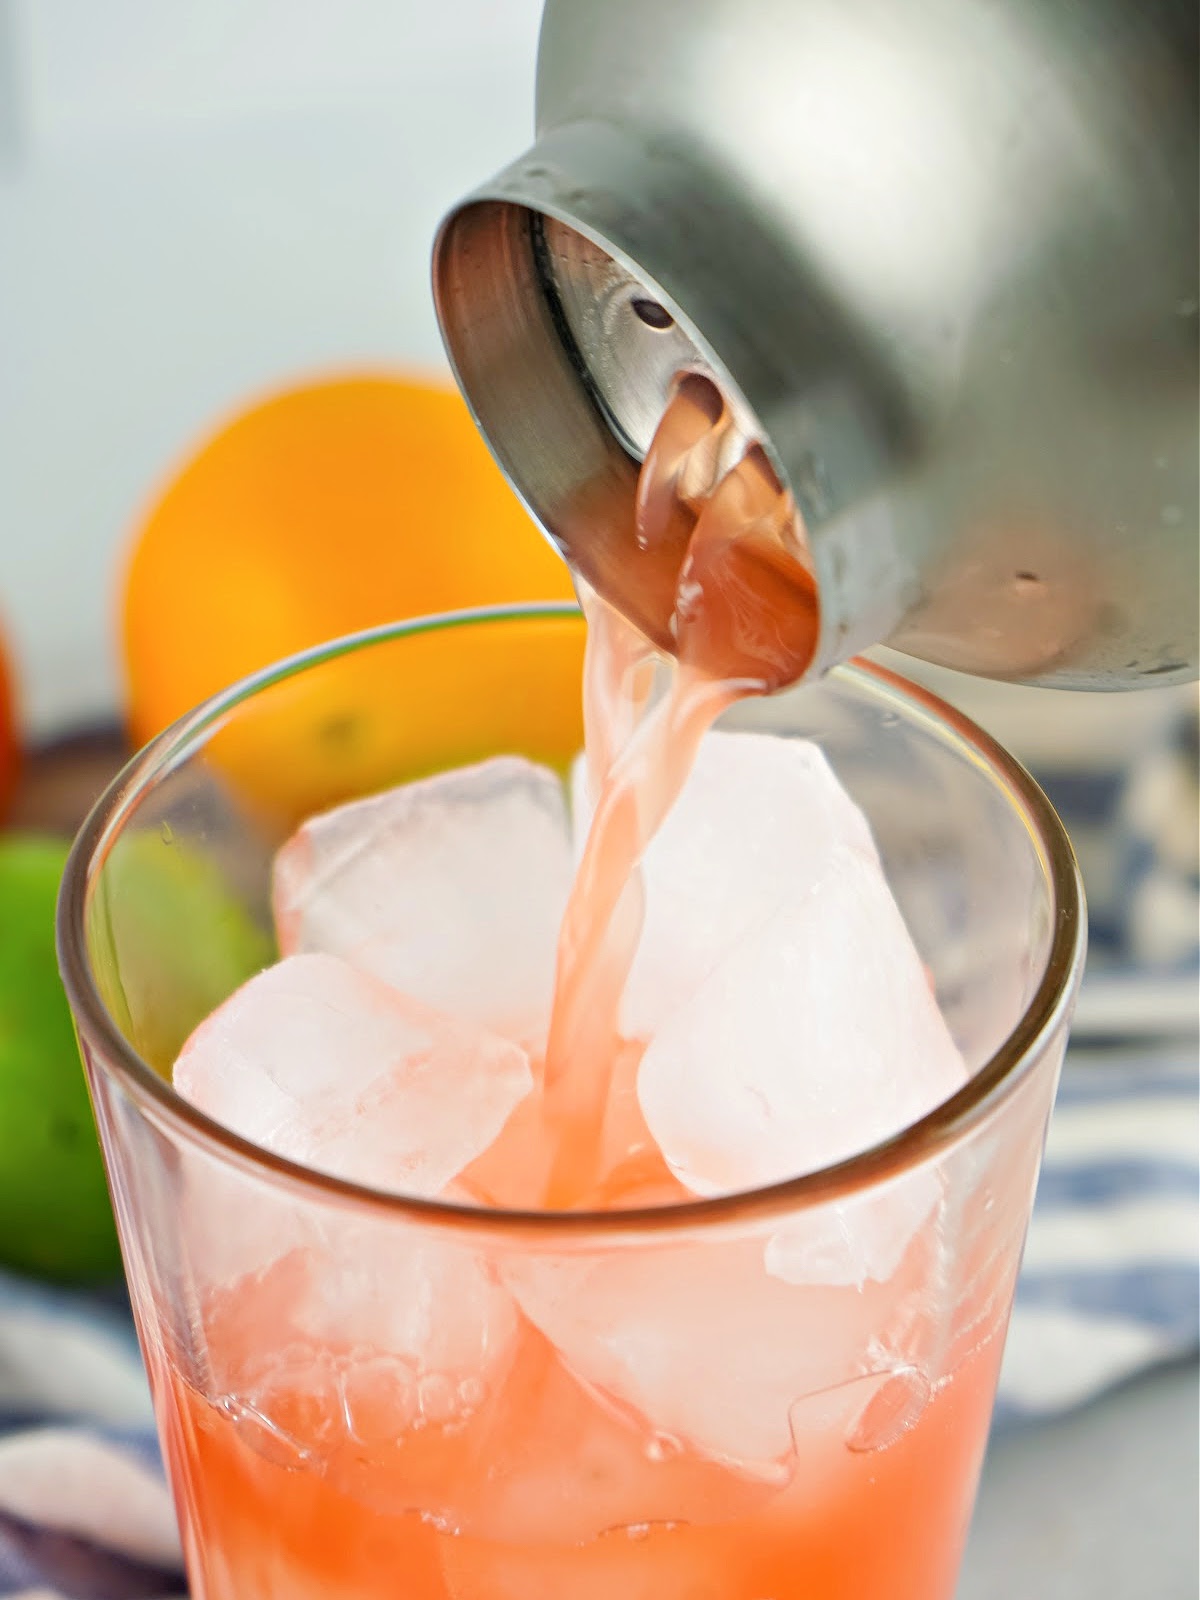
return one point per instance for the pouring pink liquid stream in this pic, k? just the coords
(745, 622)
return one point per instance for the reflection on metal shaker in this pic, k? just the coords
(941, 258)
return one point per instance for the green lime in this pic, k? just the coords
(55, 1218)
(174, 941)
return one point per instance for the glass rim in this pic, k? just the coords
(994, 1081)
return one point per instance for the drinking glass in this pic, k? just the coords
(364, 1394)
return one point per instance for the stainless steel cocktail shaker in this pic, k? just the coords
(941, 255)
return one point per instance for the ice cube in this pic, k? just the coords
(753, 828)
(815, 1038)
(328, 1066)
(858, 1240)
(337, 1349)
(451, 889)
(709, 1348)
(400, 1290)
(557, 1466)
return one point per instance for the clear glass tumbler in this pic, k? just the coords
(363, 1395)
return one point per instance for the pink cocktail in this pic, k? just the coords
(473, 1397)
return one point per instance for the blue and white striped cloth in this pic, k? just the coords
(1110, 1285)
(1109, 1282)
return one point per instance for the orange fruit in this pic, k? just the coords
(324, 510)
(10, 749)
(437, 698)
